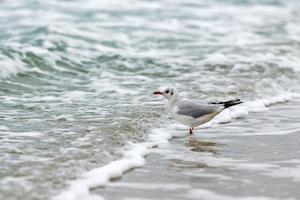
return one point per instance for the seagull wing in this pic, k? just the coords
(197, 109)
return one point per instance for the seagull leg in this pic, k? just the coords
(191, 131)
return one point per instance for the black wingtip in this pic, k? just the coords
(230, 103)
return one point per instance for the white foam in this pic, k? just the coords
(48, 56)
(10, 67)
(65, 118)
(242, 110)
(133, 157)
(209, 195)
(80, 189)
(18, 182)
(24, 134)
(4, 128)
(286, 172)
(157, 136)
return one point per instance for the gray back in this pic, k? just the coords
(196, 109)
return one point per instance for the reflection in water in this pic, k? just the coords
(187, 164)
(197, 146)
(202, 146)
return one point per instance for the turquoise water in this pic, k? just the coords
(76, 77)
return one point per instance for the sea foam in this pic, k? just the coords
(207, 195)
(242, 110)
(80, 189)
(10, 67)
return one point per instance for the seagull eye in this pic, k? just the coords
(167, 91)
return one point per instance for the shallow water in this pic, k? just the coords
(251, 158)
(76, 78)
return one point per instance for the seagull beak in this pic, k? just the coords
(157, 92)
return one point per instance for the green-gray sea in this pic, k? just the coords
(77, 77)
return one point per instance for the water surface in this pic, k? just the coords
(76, 77)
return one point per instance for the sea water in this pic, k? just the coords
(77, 77)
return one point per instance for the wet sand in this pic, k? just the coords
(257, 157)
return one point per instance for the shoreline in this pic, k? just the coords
(211, 165)
(134, 156)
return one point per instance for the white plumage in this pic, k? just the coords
(193, 113)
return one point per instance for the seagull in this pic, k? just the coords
(193, 113)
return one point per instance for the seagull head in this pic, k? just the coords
(170, 93)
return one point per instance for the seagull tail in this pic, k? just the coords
(230, 103)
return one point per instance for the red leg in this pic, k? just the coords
(191, 131)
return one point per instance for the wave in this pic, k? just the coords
(9, 67)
